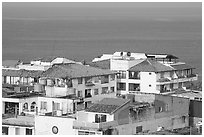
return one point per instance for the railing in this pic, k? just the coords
(191, 77)
(89, 125)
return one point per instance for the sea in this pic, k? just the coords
(86, 37)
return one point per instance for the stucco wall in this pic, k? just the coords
(44, 125)
(148, 82)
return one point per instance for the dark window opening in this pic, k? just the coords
(138, 129)
(4, 130)
(28, 131)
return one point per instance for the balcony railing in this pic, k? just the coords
(89, 125)
(191, 77)
(89, 84)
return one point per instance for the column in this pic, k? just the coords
(11, 130)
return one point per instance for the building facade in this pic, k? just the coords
(150, 73)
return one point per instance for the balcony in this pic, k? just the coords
(96, 126)
(88, 95)
(192, 77)
(89, 84)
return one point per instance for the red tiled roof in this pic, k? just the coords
(19, 121)
(150, 66)
(46, 59)
(107, 105)
(74, 71)
(22, 73)
(103, 64)
(181, 66)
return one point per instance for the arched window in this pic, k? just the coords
(25, 107)
(32, 107)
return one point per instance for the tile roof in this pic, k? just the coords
(46, 59)
(150, 66)
(181, 66)
(26, 121)
(103, 64)
(21, 72)
(188, 94)
(74, 71)
(10, 63)
(107, 105)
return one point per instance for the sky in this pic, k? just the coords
(23, 10)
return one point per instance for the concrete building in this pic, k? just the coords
(141, 113)
(38, 125)
(45, 63)
(155, 73)
(87, 83)
(20, 77)
(35, 114)
(195, 107)
(37, 104)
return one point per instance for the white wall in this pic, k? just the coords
(34, 67)
(44, 125)
(146, 81)
(122, 64)
(91, 117)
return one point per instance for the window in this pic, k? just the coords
(4, 79)
(162, 74)
(121, 75)
(100, 118)
(4, 130)
(32, 107)
(25, 107)
(17, 131)
(112, 89)
(183, 118)
(80, 80)
(95, 91)
(69, 83)
(121, 86)
(96, 79)
(167, 107)
(134, 87)
(79, 93)
(112, 77)
(43, 105)
(87, 93)
(134, 75)
(56, 106)
(180, 85)
(138, 129)
(104, 79)
(86, 133)
(88, 80)
(104, 90)
(28, 131)
(160, 109)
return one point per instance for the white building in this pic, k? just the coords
(37, 104)
(38, 125)
(45, 63)
(87, 83)
(151, 73)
